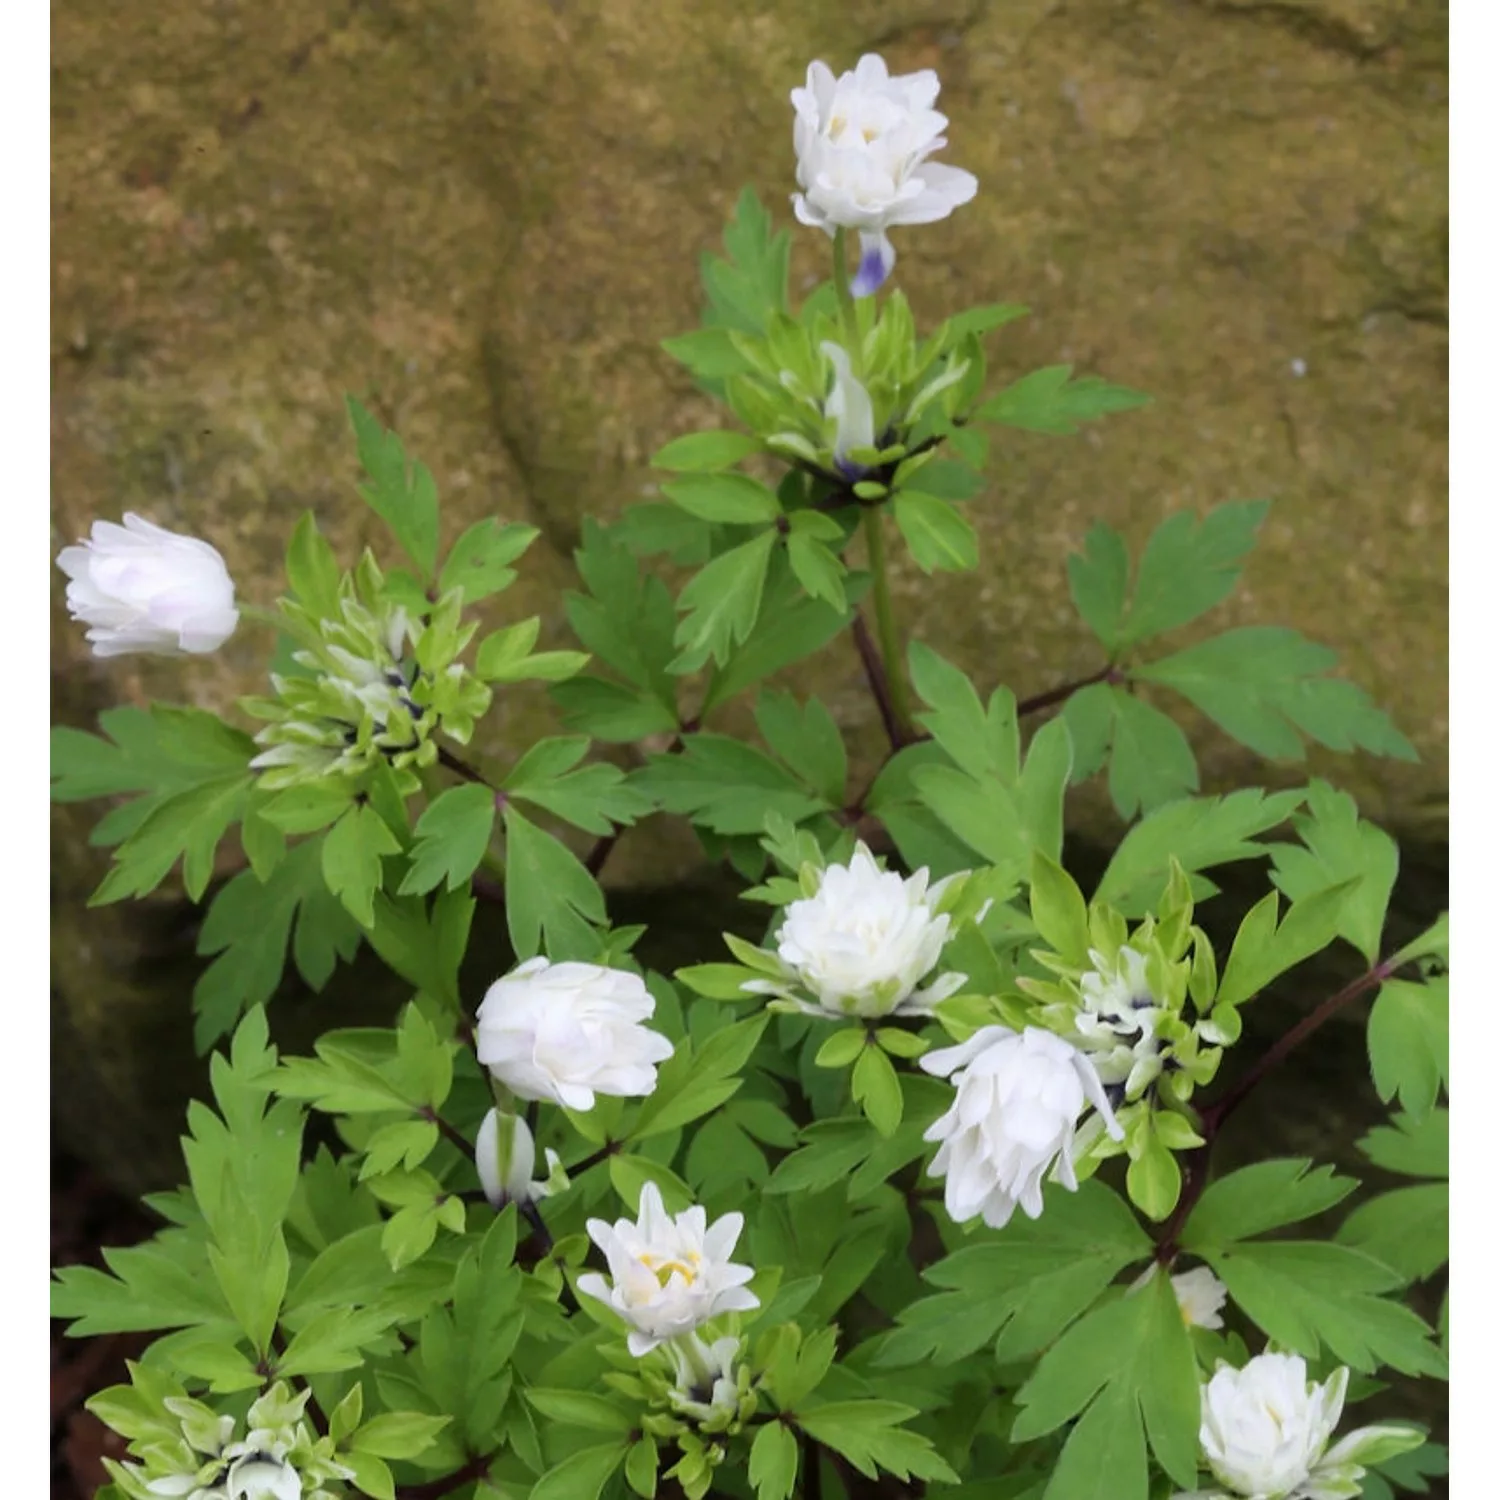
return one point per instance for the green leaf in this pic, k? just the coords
(817, 569)
(1151, 762)
(1133, 1354)
(1305, 1295)
(398, 1434)
(1262, 1197)
(790, 627)
(980, 738)
(1188, 567)
(938, 535)
(1339, 846)
(840, 1048)
(580, 1476)
(1266, 687)
(1025, 1287)
(1431, 944)
(1199, 833)
(1406, 1229)
(1408, 1042)
(610, 711)
(249, 926)
(186, 825)
(807, 739)
(724, 785)
(594, 797)
(870, 1435)
(406, 502)
(353, 852)
(1058, 909)
(641, 1464)
(703, 452)
(452, 837)
(158, 750)
(877, 1090)
(1154, 1180)
(721, 603)
(1048, 401)
(773, 1462)
(1099, 579)
(547, 891)
(165, 1283)
(728, 499)
(479, 563)
(1263, 950)
(697, 1079)
(312, 570)
(581, 1409)
(1415, 1148)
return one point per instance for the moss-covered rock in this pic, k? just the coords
(483, 218)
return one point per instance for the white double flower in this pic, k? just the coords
(1014, 1117)
(566, 1032)
(864, 142)
(144, 590)
(862, 943)
(1266, 1430)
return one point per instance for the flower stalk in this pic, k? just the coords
(885, 625)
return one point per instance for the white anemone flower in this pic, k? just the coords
(863, 942)
(1018, 1098)
(864, 142)
(1266, 1430)
(565, 1032)
(144, 590)
(668, 1275)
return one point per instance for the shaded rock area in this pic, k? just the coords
(482, 216)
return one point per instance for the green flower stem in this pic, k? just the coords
(885, 624)
(846, 303)
(261, 615)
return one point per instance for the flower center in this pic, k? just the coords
(662, 1267)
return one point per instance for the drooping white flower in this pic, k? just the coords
(863, 141)
(505, 1157)
(670, 1275)
(567, 1031)
(1015, 1113)
(1200, 1297)
(1266, 1428)
(848, 405)
(863, 942)
(1116, 1020)
(263, 1475)
(706, 1386)
(1199, 1293)
(142, 589)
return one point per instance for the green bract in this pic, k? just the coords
(833, 1206)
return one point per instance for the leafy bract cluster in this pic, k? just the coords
(926, 1009)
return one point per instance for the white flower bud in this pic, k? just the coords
(565, 1032)
(706, 1385)
(863, 141)
(262, 1476)
(670, 1274)
(848, 405)
(1016, 1108)
(141, 589)
(1116, 1020)
(864, 941)
(505, 1157)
